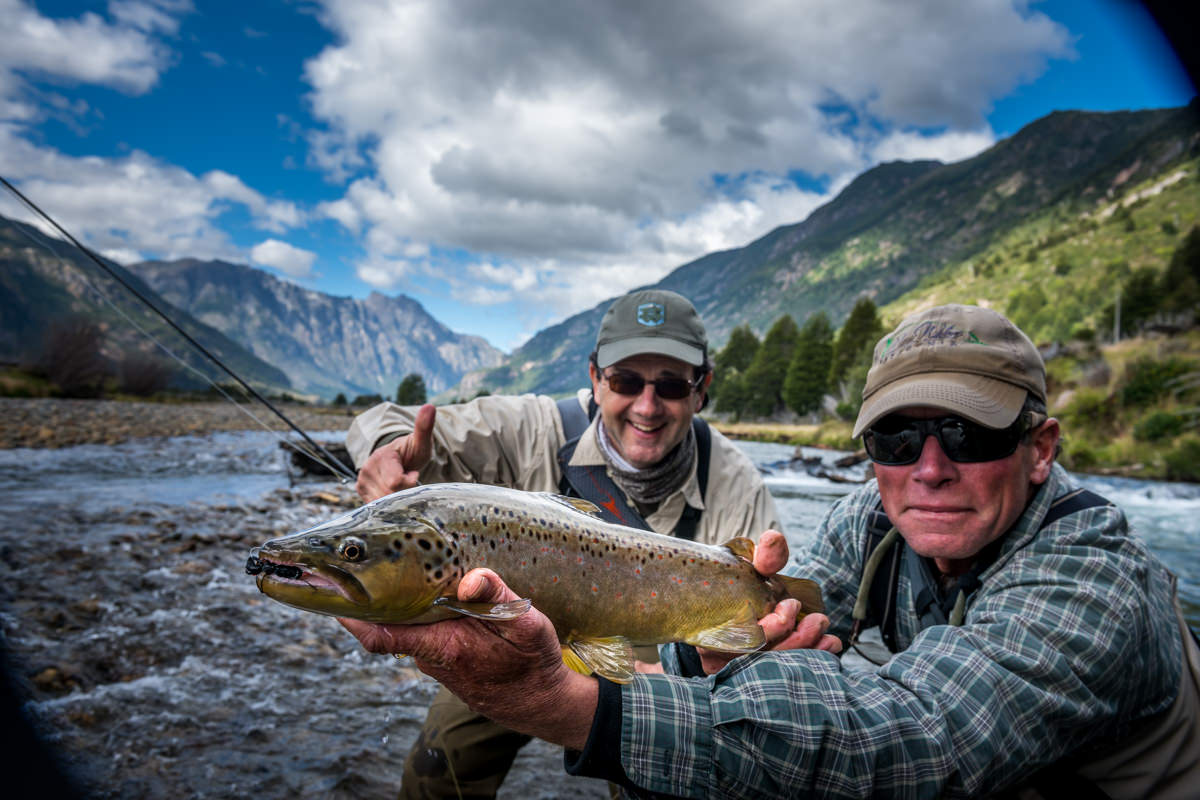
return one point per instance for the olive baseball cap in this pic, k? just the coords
(651, 321)
(968, 360)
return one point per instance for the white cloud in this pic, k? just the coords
(284, 257)
(579, 143)
(88, 49)
(137, 204)
(949, 146)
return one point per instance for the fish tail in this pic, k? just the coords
(806, 591)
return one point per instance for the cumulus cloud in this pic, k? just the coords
(123, 54)
(137, 206)
(284, 257)
(595, 146)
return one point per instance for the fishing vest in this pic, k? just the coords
(593, 482)
(1160, 759)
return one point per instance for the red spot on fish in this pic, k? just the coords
(654, 594)
(579, 560)
(595, 588)
(731, 581)
(706, 583)
(638, 570)
(555, 579)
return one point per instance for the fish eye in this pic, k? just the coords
(353, 549)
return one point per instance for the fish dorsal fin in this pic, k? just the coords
(806, 591)
(609, 657)
(496, 611)
(740, 547)
(577, 503)
(741, 634)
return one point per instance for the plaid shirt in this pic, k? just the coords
(1071, 640)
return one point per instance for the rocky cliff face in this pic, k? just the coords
(325, 344)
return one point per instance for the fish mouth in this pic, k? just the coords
(326, 580)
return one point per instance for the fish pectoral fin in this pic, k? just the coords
(741, 547)
(495, 611)
(574, 662)
(806, 591)
(609, 657)
(741, 634)
(577, 503)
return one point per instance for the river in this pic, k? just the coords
(154, 668)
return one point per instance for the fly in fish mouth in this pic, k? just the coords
(255, 565)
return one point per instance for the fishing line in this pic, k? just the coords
(317, 452)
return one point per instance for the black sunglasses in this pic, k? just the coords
(896, 440)
(630, 383)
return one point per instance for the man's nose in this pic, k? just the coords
(934, 466)
(647, 402)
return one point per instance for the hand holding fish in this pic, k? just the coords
(780, 625)
(510, 671)
(396, 465)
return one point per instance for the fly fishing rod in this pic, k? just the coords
(334, 464)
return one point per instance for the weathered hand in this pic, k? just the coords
(397, 464)
(779, 625)
(510, 671)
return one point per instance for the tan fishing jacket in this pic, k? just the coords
(513, 441)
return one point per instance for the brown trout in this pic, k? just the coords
(605, 587)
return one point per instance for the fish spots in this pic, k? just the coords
(554, 579)
(425, 544)
(706, 583)
(653, 594)
(595, 589)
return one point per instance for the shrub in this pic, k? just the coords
(1183, 462)
(143, 375)
(1157, 425)
(71, 358)
(1148, 379)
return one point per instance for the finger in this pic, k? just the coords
(418, 446)
(830, 644)
(781, 621)
(771, 554)
(374, 638)
(808, 634)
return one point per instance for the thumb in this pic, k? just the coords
(418, 446)
(484, 586)
(771, 554)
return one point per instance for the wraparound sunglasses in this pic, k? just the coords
(630, 383)
(896, 440)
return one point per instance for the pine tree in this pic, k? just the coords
(808, 372)
(765, 375)
(728, 389)
(862, 326)
(411, 391)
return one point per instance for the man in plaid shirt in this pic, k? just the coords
(1037, 645)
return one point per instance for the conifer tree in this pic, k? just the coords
(808, 372)
(765, 375)
(411, 391)
(861, 327)
(728, 388)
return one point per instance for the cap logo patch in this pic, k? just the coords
(651, 314)
(930, 333)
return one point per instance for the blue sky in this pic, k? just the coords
(508, 164)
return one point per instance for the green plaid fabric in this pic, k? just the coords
(1069, 643)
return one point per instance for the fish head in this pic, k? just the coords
(379, 563)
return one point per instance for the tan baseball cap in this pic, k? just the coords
(651, 321)
(968, 360)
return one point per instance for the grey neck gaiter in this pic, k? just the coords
(650, 486)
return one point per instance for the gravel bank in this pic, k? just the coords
(48, 422)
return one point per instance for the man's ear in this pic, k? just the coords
(594, 374)
(1045, 448)
(701, 396)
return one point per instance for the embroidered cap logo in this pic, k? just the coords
(651, 314)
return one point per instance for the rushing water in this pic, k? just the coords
(156, 669)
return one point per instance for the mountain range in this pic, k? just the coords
(326, 344)
(1030, 211)
(896, 227)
